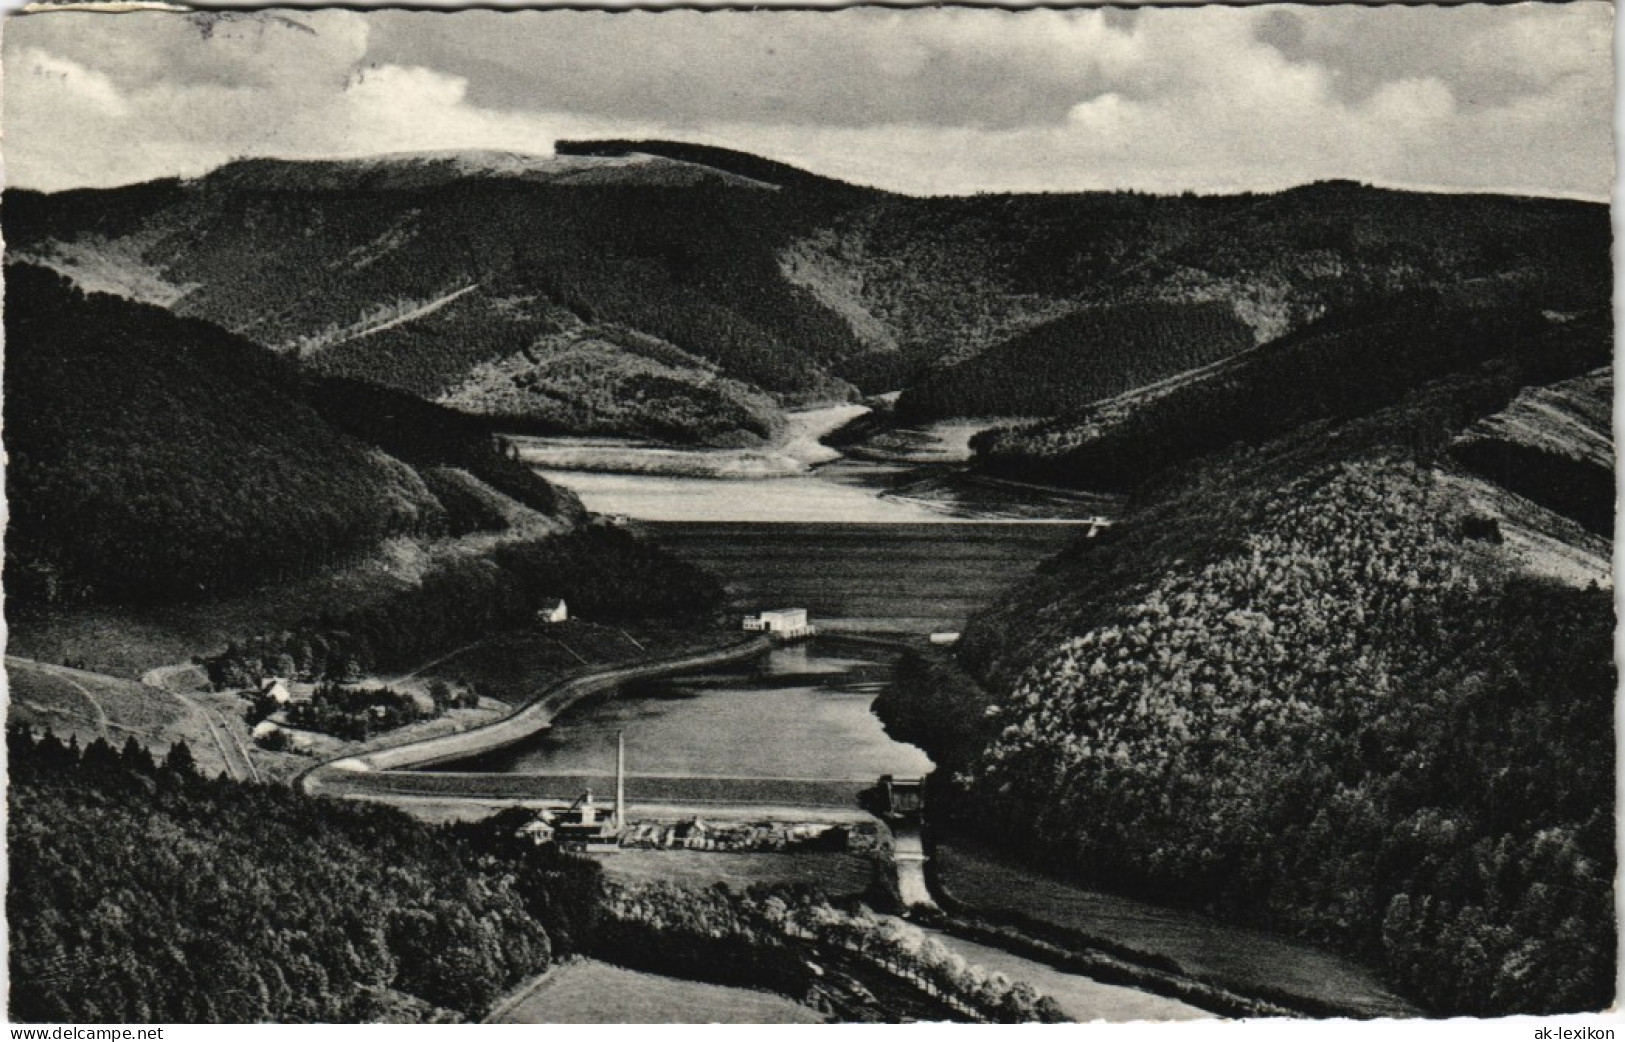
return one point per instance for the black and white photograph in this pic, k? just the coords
(861, 515)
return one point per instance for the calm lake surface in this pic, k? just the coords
(800, 712)
(902, 546)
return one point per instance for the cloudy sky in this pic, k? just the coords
(1516, 98)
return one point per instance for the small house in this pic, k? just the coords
(539, 830)
(944, 638)
(277, 690)
(263, 728)
(553, 610)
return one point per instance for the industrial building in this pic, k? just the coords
(782, 623)
(586, 826)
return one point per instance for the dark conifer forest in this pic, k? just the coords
(143, 892)
(1309, 684)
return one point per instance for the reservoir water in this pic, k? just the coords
(796, 713)
(900, 546)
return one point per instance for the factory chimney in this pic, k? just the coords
(620, 779)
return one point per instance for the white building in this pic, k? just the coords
(539, 830)
(788, 623)
(553, 610)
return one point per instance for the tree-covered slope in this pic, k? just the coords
(412, 271)
(156, 458)
(1317, 684)
(1025, 279)
(594, 379)
(142, 892)
(1341, 366)
(1070, 362)
(1555, 445)
(481, 278)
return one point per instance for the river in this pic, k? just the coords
(910, 543)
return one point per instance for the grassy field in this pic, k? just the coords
(1233, 956)
(837, 874)
(1079, 997)
(591, 992)
(515, 667)
(88, 706)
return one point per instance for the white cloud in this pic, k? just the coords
(71, 82)
(940, 100)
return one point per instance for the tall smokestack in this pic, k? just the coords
(620, 779)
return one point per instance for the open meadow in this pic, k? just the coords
(1244, 959)
(88, 706)
(836, 874)
(590, 992)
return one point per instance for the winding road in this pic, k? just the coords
(70, 677)
(383, 774)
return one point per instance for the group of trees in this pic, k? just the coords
(356, 714)
(156, 458)
(603, 573)
(142, 892)
(1345, 365)
(1303, 696)
(765, 937)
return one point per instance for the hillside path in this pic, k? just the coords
(232, 753)
(69, 676)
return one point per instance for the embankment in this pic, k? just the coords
(517, 726)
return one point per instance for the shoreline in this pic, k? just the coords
(538, 715)
(794, 453)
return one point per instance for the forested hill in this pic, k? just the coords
(1352, 678)
(684, 292)
(159, 458)
(143, 892)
